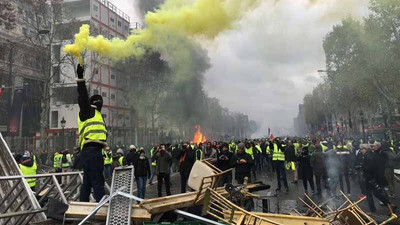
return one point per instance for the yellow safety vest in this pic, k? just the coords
(92, 129)
(323, 147)
(151, 155)
(121, 161)
(56, 161)
(233, 147)
(66, 165)
(296, 147)
(26, 171)
(107, 160)
(277, 155)
(249, 151)
(258, 148)
(201, 154)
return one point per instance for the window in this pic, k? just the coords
(95, 92)
(56, 74)
(95, 8)
(112, 20)
(111, 36)
(119, 23)
(119, 116)
(104, 94)
(126, 28)
(104, 116)
(113, 96)
(112, 77)
(54, 119)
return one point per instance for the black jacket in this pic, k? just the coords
(86, 110)
(242, 168)
(78, 164)
(381, 161)
(186, 166)
(224, 160)
(176, 153)
(369, 167)
(142, 167)
(131, 158)
(305, 164)
(290, 154)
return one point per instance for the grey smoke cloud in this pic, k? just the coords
(266, 65)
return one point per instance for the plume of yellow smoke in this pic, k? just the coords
(183, 18)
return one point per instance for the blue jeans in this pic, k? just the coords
(153, 172)
(141, 186)
(107, 171)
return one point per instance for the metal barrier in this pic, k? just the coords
(47, 186)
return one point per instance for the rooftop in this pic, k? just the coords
(115, 9)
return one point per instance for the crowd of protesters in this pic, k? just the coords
(325, 165)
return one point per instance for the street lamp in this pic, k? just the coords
(362, 124)
(63, 122)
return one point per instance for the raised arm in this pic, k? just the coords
(86, 111)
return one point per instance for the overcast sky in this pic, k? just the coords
(266, 65)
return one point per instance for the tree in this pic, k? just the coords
(362, 67)
(52, 25)
(7, 15)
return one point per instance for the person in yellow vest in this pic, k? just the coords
(57, 165)
(233, 147)
(153, 163)
(121, 158)
(345, 162)
(324, 146)
(66, 163)
(92, 139)
(28, 166)
(291, 160)
(107, 162)
(278, 159)
(199, 154)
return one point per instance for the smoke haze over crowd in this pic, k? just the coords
(266, 65)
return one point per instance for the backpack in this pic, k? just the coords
(64, 159)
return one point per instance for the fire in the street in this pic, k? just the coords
(198, 136)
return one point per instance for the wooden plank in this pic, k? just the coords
(282, 219)
(169, 203)
(82, 209)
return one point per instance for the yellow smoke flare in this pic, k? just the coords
(202, 18)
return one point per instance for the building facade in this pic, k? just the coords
(20, 76)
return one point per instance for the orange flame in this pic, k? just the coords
(198, 136)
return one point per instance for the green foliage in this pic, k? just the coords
(362, 65)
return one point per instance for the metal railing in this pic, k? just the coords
(47, 186)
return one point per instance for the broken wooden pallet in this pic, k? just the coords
(172, 202)
(82, 209)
